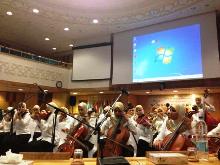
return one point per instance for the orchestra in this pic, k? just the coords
(130, 131)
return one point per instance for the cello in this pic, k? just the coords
(72, 141)
(117, 136)
(177, 141)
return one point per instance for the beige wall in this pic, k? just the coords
(22, 70)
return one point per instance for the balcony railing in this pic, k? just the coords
(34, 57)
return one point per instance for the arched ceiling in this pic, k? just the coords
(26, 31)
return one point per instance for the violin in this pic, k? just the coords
(143, 120)
(41, 115)
(117, 136)
(177, 141)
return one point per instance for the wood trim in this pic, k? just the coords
(211, 82)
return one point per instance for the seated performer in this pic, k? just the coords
(144, 131)
(175, 117)
(77, 133)
(48, 140)
(64, 124)
(117, 132)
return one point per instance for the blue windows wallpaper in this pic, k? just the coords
(168, 55)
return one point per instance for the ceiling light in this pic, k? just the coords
(66, 29)
(39, 56)
(47, 39)
(147, 92)
(20, 89)
(35, 11)
(71, 45)
(9, 13)
(175, 91)
(95, 21)
(54, 48)
(75, 93)
(101, 92)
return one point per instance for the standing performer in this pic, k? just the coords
(117, 130)
(35, 130)
(203, 108)
(46, 124)
(22, 120)
(6, 139)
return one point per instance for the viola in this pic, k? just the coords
(177, 141)
(117, 136)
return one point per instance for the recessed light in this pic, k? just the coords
(66, 29)
(47, 39)
(95, 21)
(101, 92)
(9, 13)
(175, 91)
(20, 89)
(39, 56)
(71, 45)
(75, 93)
(35, 11)
(54, 48)
(147, 92)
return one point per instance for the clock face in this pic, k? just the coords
(59, 84)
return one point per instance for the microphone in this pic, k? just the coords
(43, 91)
(124, 91)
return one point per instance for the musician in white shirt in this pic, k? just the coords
(175, 117)
(6, 141)
(203, 107)
(22, 120)
(45, 142)
(144, 131)
(65, 123)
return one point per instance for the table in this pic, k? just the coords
(132, 161)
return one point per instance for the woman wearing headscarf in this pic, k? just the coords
(117, 122)
(48, 139)
(176, 115)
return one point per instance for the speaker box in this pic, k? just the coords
(72, 100)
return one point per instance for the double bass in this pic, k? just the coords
(117, 136)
